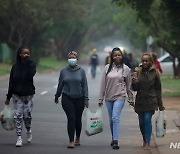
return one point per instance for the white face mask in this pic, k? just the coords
(72, 62)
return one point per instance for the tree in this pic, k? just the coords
(163, 22)
(22, 22)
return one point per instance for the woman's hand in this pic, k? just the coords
(134, 80)
(7, 102)
(100, 103)
(86, 103)
(56, 100)
(131, 104)
(161, 108)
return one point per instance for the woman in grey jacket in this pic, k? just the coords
(74, 89)
(115, 84)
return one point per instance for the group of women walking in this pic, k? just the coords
(116, 86)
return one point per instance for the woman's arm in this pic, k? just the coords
(11, 82)
(85, 85)
(60, 85)
(158, 92)
(128, 81)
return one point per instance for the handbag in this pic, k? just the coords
(94, 123)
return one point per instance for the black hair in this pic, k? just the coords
(20, 49)
(19, 72)
(112, 60)
(73, 52)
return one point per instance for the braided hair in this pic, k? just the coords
(112, 60)
(19, 72)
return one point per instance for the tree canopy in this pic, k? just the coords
(162, 20)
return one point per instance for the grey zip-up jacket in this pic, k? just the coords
(73, 83)
(116, 84)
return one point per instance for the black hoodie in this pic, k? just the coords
(21, 79)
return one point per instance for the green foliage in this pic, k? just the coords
(163, 22)
(170, 86)
(5, 69)
(49, 63)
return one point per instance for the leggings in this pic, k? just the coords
(73, 107)
(22, 108)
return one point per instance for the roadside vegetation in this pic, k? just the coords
(49, 63)
(45, 64)
(170, 86)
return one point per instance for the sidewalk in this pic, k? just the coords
(172, 134)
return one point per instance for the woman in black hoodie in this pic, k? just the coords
(21, 89)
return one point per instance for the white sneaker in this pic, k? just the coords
(29, 136)
(19, 142)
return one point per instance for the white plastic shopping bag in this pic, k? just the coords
(161, 124)
(94, 122)
(7, 119)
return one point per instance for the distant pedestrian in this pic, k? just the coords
(133, 62)
(21, 89)
(94, 62)
(148, 98)
(108, 58)
(126, 59)
(115, 84)
(74, 90)
(156, 62)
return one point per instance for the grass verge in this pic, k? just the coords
(45, 63)
(49, 63)
(170, 86)
(5, 68)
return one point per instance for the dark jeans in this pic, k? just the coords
(93, 70)
(73, 108)
(145, 124)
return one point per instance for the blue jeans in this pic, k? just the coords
(114, 110)
(145, 124)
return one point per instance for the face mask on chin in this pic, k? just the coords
(72, 62)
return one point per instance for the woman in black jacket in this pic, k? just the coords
(148, 98)
(21, 89)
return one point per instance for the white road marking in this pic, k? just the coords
(44, 92)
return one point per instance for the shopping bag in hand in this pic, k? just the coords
(7, 119)
(94, 122)
(161, 123)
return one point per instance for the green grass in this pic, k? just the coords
(45, 63)
(49, 63)
(5, 68)
(170, 86)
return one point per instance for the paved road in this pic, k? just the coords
(49, 124)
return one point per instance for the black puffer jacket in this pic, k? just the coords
(148, 87)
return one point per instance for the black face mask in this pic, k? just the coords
(26, 60)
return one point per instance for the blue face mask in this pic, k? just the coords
(72, 62)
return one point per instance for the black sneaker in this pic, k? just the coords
(112, 143)
(115, 145)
